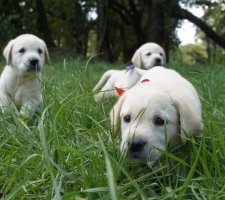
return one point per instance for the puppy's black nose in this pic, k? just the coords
(158, 61)
(137, 145)
(34, 64)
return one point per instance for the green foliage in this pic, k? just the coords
(128, 24)
(69, 152)
(214, 15)
(68, 21)
(193, 54)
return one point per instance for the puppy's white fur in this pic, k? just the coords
(147, 56)
(151, 115)
(19, 82)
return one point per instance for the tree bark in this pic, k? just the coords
(103, 45)
(42, 23)
(159, 25)
(155, 23)
(131, 16)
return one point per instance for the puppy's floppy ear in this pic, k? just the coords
(7, 53)
(115, 114)
(164, 58)
(136, 59)
(190, 121)
(46, 55)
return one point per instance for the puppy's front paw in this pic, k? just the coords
(7, 107)
(98, 97)
(3, 108)
(25, 114)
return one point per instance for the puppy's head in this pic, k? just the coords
(149, 55)
(150, 120)
(26, 53)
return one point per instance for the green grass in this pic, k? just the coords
(69, 152)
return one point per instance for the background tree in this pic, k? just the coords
(215, 17)
(103, 43)
(11, 24)
(119, 28)
(42, 23)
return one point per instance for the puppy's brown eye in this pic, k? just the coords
(22, 50)
(127, 118)
(40, 51)
(148, 54)
(160, 54)
(159, 121)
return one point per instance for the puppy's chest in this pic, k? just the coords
(26, 91)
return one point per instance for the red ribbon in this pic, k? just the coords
(119, 91)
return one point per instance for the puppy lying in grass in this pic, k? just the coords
(146, 57)
(19, 82)
(162, 110)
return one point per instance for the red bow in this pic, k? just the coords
(119, 91)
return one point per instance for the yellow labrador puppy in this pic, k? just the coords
(19, 82)
(162, 110)
(146, 57)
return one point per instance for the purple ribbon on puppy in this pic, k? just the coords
(130, 68)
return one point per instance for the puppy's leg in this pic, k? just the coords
(106, 92)
(103, 79)
(4, 102)
(29, 108)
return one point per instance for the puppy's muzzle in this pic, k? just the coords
(158, 61)
(34, 65)
(136, 148)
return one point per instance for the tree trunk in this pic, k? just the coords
(103, 45)
(42, 23)
(136, 16)
(127, 50)
(155, 23)
(180, 13)
(159, 25)
(209, 54)
(131, 13)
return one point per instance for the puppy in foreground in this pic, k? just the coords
(19, 82)
(162, 110)
(146, 57)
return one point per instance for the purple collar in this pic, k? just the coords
(130, 68)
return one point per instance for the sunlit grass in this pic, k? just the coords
(69, 152)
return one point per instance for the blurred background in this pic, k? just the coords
(111, 30)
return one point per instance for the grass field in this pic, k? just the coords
(68, 152)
